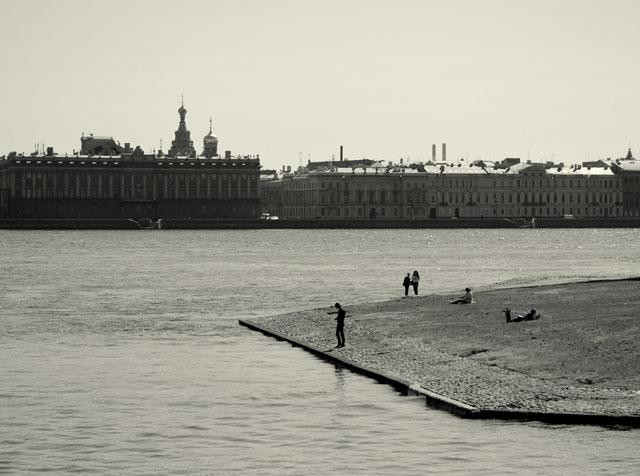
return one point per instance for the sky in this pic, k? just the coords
(293, 80)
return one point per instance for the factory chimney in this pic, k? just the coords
(433, 153)
(444, 151)
(341, 158)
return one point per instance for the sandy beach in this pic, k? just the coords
(581, 356)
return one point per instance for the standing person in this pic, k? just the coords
(415, 280)
(339, 323)
(406, 283)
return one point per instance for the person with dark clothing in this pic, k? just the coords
(415, 280)
(530, 316)
(339, 323)
(467, 298)
(406, 283)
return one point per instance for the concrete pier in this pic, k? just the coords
(578, 364)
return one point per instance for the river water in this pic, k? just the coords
(120, 353)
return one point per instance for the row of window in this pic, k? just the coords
(304, 212)
(381, 197)
(71, 180)
(69, 185)
(478, 183)
(132, 194)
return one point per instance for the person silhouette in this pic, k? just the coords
(339, 323)
(415, 280)
(467, 298)
(530, 316)
(406, 283)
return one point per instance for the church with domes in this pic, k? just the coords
(182, 145)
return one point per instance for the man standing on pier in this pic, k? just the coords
(339, 323)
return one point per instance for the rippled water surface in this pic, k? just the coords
(120, 353)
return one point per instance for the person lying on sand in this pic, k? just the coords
(466, 299)
(530, 316)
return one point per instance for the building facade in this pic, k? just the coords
(131, 184)
(445, 191)
(628, 169)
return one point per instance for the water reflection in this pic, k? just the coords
(339, 372)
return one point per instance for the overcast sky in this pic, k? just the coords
(491, 78)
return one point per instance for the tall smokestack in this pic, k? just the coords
(340, 153)
(444, 151)
(433, 152)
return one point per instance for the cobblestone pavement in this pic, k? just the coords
(474, 383)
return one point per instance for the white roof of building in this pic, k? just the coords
(629, 165)
(465, 169)
(593, 171)
(454, 169)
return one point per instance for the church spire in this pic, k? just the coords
(182, 144)
(210, 142)
(629, 154)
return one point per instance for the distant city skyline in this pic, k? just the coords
(293, 80)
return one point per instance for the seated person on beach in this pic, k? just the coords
(530, 316)
(466, 299)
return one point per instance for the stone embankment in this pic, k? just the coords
(579, 363)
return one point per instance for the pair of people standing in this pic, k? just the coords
(414, 280)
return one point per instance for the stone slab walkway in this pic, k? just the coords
(470, 354)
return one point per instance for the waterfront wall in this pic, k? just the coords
(167, 224)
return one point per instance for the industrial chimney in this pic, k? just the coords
(433, 153)
(444, 151)
(341, 158)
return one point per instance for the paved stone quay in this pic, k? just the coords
(385, 337)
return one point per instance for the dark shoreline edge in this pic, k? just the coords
(253, 224)
(440, 402)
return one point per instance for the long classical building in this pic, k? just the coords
(511, 190)
(106, 180)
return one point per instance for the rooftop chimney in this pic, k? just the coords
(227, 154)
